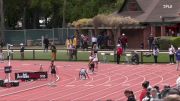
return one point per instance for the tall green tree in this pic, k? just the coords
(30, 11)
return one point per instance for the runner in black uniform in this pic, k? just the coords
(53, 72)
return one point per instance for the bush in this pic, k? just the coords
(176, 42)
(165, 41)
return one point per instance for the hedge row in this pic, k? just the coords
(165, 41)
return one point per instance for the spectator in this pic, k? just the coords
(173, 97)
(155, 53)
(53, 50)
(155, 43)
(154, 95)
(124, 42)
(158, 91)
(165, 91)
(22, 51)
(46, 44)
(119, 53)
(149, 86)
(2, 43)
(99, 41)
(147, 97)
(1, 55)
(85, 41)
(68, 43)
(74, 42)
(177, 58)
(150, 41)
(171, 54)
(130, 96)
(72, 52)
(144, 91)
(142, 45)
(93, 40)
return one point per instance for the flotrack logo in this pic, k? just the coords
(23, 75)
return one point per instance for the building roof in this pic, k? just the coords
(153, 10)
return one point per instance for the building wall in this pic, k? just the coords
(135, 37)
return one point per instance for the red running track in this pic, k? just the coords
(109, 82)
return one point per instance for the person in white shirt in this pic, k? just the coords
(171, 54)
(93, 40)
(155, 53)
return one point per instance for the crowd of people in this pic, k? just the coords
(149, 93)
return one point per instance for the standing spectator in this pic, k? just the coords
(93, 40)
(142, 45)
(119, 53)
(46, 44)
(155, 53)
(155, 43)
(171, 54)
(124, 42)
(85, 41)
(99, 41)
(1, 55)
(53, 50)
(74, 41)
(150, 41)
(72, 52)
(178, 58)
(68, 42)
(2, 43)
(22, 51)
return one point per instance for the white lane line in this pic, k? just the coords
(104, 89)
(131, 86)
(99, 84)
(98, 79)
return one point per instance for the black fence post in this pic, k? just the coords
(141, 57)
(33, 54)
(12, 54)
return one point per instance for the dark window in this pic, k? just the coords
(132, 6)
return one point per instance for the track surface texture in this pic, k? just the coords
(108, 82)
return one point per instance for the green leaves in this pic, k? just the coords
(74, 10)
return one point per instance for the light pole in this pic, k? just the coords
(1, 20)
(64, 14)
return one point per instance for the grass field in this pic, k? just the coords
(82, 56)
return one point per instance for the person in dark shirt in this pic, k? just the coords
(130, 95)
(46, 44)
(22, 51)
(150, 41)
